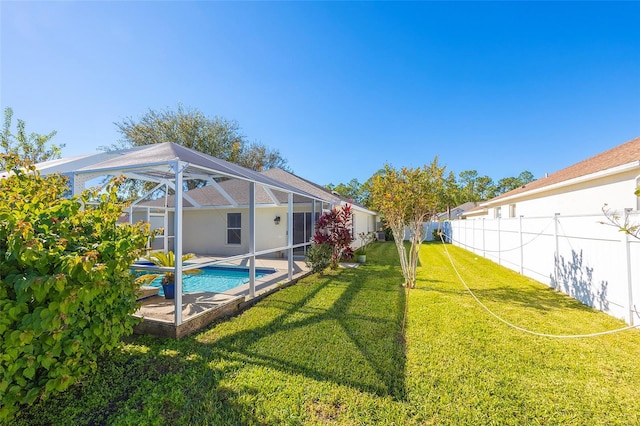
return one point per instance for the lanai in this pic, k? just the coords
(170, 165)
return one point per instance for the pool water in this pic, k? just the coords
(215, 279)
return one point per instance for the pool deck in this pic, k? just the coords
(202, 308)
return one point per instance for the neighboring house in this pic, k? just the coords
(583, 188)
(554, 230)
(457, 212)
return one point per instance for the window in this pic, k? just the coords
(512, 210)
(234, 228)
(498, 212)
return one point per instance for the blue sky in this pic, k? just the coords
(339, 88)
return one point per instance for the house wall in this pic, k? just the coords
(205, 230)
(583, 198)
(363, 222)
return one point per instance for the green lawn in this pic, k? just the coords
(328, 350)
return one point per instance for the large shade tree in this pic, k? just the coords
(188, 127)
(31, 147)
(216, 136)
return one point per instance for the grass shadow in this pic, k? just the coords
(334, 333)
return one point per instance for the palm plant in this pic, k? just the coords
(166, 260)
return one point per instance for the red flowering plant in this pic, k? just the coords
(333, 229)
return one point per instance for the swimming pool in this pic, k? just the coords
(217, 279)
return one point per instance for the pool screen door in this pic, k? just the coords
(159, 221)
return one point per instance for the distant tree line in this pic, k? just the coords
(222, 138)
(466, 186)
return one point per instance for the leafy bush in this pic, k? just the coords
(333, 229)
(319, 257)
(66, 292)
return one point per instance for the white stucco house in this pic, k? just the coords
(216, 217)
(554, 230)
(610, 177)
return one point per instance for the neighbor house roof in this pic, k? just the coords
(614, 159)
(457, 211)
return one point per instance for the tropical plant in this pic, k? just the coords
(167, 260)
(333, 228)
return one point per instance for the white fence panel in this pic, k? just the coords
(592, 262)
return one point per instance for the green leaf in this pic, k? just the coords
(31, 396)
(26, 336)
(29, 372)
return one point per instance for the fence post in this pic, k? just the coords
(484, 253)
(473, 236)
(499, 251)
(521, 250)
(627, 252)
(556, 258)
(466, 246)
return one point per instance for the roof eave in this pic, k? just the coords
(569, 182)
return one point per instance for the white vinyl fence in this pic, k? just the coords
(592, 262)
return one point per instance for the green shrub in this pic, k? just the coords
(333, 229)
(319, 257)
(66, 293)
